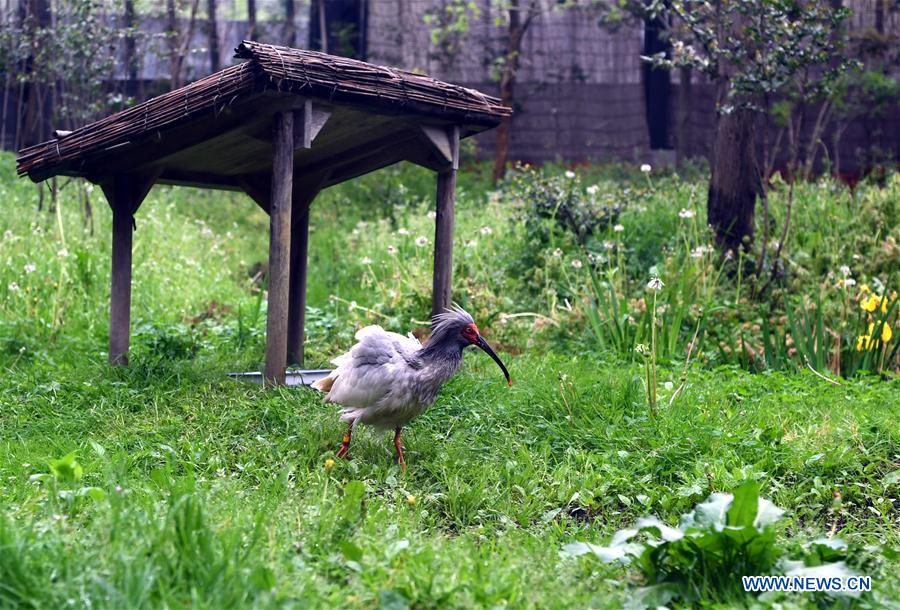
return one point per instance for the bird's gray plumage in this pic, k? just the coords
(387, 379)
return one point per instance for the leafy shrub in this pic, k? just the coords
(167, 344)
(552, 205)
(722, 539)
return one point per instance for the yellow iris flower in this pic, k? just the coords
(872, 303)
(886, 333)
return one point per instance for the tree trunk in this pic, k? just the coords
(212, 33)
(290, 24)
(179, 47)
(130, 43)
(39, 19)
(251, 19)
(683, 150)
(516, 34)
(735, 182)
(323, 27)
(172, 41)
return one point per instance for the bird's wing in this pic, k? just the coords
(366, 373)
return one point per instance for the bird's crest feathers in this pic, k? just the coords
(450, 317)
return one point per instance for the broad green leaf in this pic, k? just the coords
(66, 468)
(351, 551)
(745, 505)
(94, 493)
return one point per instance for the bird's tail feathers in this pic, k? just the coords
(324, 384)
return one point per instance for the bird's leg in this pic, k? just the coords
(399, 448)
(344, 451)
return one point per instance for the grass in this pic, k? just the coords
(196, 491)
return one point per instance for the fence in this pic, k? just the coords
(582, 91)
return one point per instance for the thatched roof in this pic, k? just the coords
(169, 131)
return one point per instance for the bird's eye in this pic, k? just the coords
(470, 333)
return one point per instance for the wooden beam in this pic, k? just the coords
(308, 122)
(279, 248)
(305, 190)
(125, 193)
(443, 230)
(204, 180)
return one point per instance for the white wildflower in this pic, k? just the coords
(570, 174)
(352, 305)
(366, 260)
(592, 190)
(618, 228)
(845, 270)
(557, 253)
(421, 241)
(729, 254)
(608, 244)
(30, 267)
(431, 214)
(486, 230)
(576, 263)
(591, 258)
(63, 253)
(645, 168)
(848, 282)
(355, 232)
(701, 250)
(13, 287)
(402, 231)
(655, 284)
(391, 250)
(471, 243)
(686, 213)
(7, 234)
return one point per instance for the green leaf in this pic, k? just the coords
(66, 468)
(94, 493)
(745, 505)
(351, 551)
(392, 600)
(263, 578)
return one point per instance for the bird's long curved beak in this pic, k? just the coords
(480, 342)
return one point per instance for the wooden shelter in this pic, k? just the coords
(280, 126)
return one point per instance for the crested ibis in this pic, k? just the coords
(386, 380)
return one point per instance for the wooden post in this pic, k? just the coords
(297, 298)
(305, 191)
(120, 283)
(124, 193)
(279, 248)
(443, 228)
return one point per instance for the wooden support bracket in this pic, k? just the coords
(443, 142)
(309, 120)
(258, 187)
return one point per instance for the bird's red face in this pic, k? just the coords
(470, 333)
